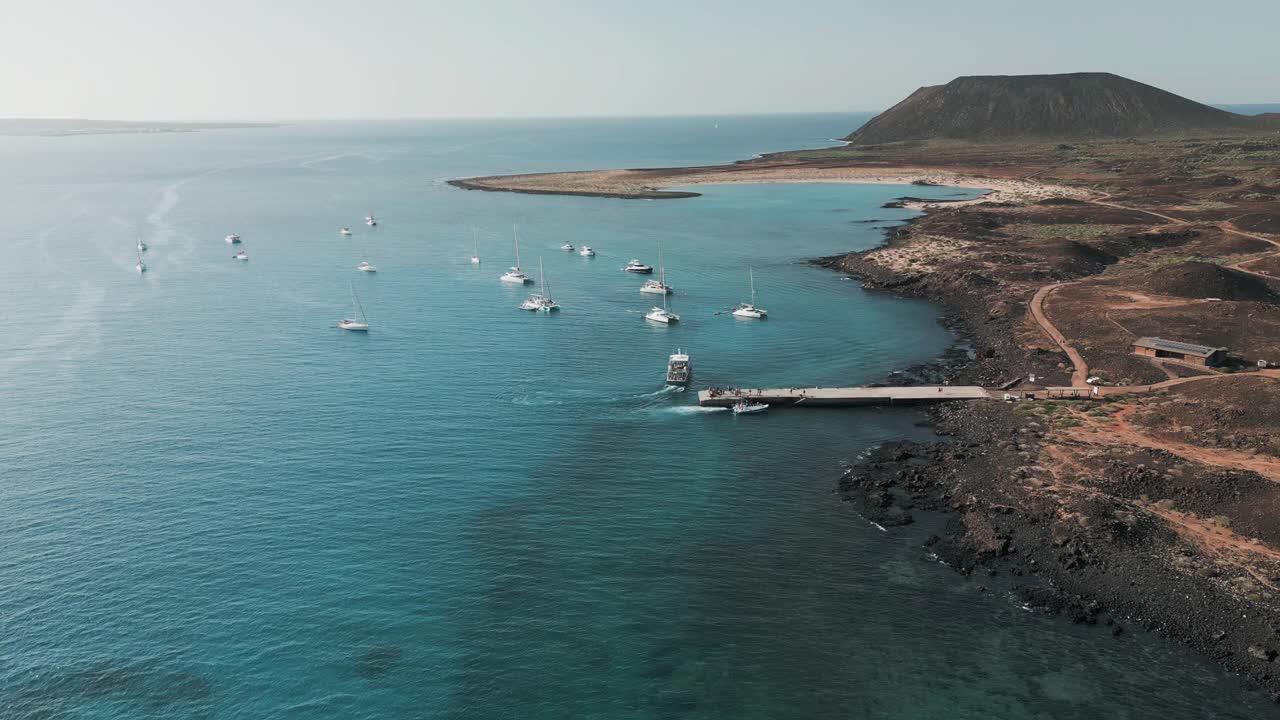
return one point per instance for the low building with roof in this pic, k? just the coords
(1184, 352)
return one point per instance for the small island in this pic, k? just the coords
(62, 127)
(1119, 283)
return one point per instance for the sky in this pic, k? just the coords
(316, 59)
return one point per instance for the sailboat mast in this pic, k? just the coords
(664, 285)
(475, 241)
(355, 301)
(516, 239)
(751, 277)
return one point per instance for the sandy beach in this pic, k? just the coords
(669, 183)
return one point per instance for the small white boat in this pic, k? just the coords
(141, 267)
(232, 238)
(635, 266)
(359, 323)
(345, 231)
(586, 251)
(514, 274)
(679, 369)
(540, 302)
(749, 310)
(242, 255)
(662, 314)
(369, 220)
(475, 253)
(366, 267)
(567, 247)
(657, 287)
(742, 407)
(142, 247)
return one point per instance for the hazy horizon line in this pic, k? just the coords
(405, 118)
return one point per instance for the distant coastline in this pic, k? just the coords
(64, 127)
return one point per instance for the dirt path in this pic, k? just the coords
(1080, 367)
(1080, 371)
(1119, 430)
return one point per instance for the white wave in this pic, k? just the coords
(691, 409)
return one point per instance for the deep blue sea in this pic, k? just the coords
(215, 504)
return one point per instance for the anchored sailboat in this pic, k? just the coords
(658, 287)
(515, 274)
(540, 301)
(662, 314)
(749, 310)
(475, 241)
(359, 323)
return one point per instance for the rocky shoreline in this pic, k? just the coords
(1099, 559)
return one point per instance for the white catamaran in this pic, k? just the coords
(359, 323)
(658, 287)
(540, 301)
(475, 252)
(749, 310)
(662, 314)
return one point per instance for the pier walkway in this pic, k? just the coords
(844, 396)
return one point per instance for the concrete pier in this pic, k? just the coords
(844, 396)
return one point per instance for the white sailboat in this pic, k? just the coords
(369, 220)
(142, 247)
(662, 314)
(540, 301)
(475, 253)
(366, 267)
(514, 274)
(749, 310)
(657, 287)
(141, 267)
(359, 323)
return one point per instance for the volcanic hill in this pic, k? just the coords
(1074, 105)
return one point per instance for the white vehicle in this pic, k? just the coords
(586, 251)
(242, 255)
(746, 408)
(567, 247)
(514, 274)
(359, 323)
(369, 220)
(679, 369)
(749, 310)
(662, 314)
(141, 267)
(657, 287)
(142, 247)
(345, 231)
(232, 238)
(366, 267)
(475, 252)
(635, 266)
(540, 302)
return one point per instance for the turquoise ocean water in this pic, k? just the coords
(214, 504)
